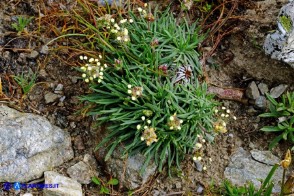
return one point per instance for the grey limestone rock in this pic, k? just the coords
(263, 88)
(30, 145)
(252, 91)
(81, 172)
(278, 90)
(261, 102)
(252, 166)
(280, 44)
(127, 170)
(66, 186)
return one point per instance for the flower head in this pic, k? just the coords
(287, 160)
(174, 122)
(149, 135)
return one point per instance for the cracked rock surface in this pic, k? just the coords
(30, 145)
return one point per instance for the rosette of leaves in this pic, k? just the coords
(283, 113)
(159, 101)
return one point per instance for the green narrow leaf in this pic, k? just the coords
(272, 100)
(270, 129)
(275, 141)
(268, 178)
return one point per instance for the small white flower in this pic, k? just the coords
(91, 60)
(224, 124)
(171, 118)
(142, 138)
(126, 32)
(113, 31)
(129, 91)
(203, 140)
(149, 121)
(118, 38)
(89, 68)
(228, 111)
(101, 77)
(86, 80)
(101, 73)
(91, 78)
(181, 121)
(138, 127)
(198, 145)
(133, 98)
(105, 65)
(144, 12)
(140, 9)
(216, 111)
(101, 69)
(138, 92)
(123, 21)
(222, 115)
(204, 168)
(145, 127)
(227, 115)
(131, 21)
(145, 4)
(81, 57)
(126, 39)
(143, 118)
(198, 135)
(100, 56)
(199, 158)
(85, 57)
(84, 75)
(234, 117)
(129, 86)
(179, 128)
(96, 60)
(210, 159)
(83, 68)
(112, 20)
(116, 26)
(99, 80)
(194, 158)
(171, 128)
(223, 108)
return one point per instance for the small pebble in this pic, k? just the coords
(199, 189)
(44, 49)
(33, 55)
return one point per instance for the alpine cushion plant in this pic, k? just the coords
(148, 94)
(160, 119)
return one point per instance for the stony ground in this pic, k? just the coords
(240, 61)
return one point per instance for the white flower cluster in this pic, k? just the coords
(174, 122)
(142, 10)
(121, 33)
(93, 69)
(199, 152)
(149, 135)
(135, 92)
(220, 126)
